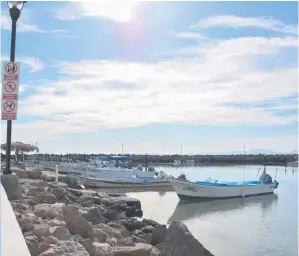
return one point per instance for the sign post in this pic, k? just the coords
(10, 90)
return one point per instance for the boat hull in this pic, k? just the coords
(110, 172)
(119, 183)
(190, 191)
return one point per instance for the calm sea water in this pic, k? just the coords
(262, 225)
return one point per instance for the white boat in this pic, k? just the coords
(124, 182)
(187, 190)
(177, 162)
(64, 166)
(116, 166)
(184, 162)
(190, 162)
(293, 164)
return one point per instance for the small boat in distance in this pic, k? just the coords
(187, 190)
(161, 181)
(117, 166)
(293, 164)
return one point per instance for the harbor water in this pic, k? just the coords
(262, 225)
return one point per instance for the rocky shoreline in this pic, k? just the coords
(59, 221)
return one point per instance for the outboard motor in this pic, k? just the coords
(265, 178)
(182, 177)
(139, 168)
(151, 169)
(162, 175)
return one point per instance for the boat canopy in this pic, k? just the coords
(119, 158)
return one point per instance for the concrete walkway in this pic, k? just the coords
(12, 240)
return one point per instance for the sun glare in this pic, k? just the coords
(120, 11)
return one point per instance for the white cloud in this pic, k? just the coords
(190, 35)
(23, 26)
(118, 12)
(110, 94)
(93, 95)
(34, 63)
(231, 21)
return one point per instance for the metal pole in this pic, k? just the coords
(146, 162)
(9, 122)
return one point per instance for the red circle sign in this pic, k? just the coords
(11, 68)
(9, 106)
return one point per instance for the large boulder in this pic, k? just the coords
(119, 226)
(46, 197)
(139, 249)
(34, 174)
(179, 241)
(75, 222)
(94, 215)
(112, 214)
(112, 232)
(56, 222)
(159, 234)
(59, 192)
(47, 178)
(101, 248)
(128, 241)
(66, 248)
(149, 222)
(36, 248)
(33, 191)
(27, 221)
(41, 230)
(100, 235)
(50, 240)
(61, 233)
(136, 225)
(89, 247)
(49, 211)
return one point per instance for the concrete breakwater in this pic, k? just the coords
(59, 221)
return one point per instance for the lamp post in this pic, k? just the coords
(15, 8)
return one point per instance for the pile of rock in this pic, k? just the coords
(58, 221)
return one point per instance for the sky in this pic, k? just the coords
(211, 76)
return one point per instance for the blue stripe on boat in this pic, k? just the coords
(229, 184)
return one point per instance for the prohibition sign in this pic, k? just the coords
(9, 106)
(11, 68)
(10, 87)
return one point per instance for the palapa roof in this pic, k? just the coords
(20, 146)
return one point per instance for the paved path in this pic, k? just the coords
(12, 240)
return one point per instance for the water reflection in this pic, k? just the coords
(185, 211)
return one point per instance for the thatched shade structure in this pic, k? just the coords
(21, 147)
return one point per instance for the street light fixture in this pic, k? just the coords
(15, 8)
(17, 4)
